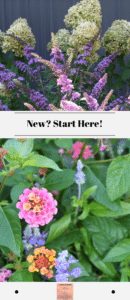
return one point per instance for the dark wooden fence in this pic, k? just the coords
(45, 16)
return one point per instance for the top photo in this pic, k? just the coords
(65, 55)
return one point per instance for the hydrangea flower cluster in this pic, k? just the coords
(37, 206)
(84, 21)
(33, 238)
(4, 274)
(21, 30)
(80, 149)
(65, 270)
(82, 35)
(116, 37)
(85, 10)
(42, 260)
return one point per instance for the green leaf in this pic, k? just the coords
(10, 230)
(17, 190)
(64, 143)
(60, 180)
(100, 195)
(66, 240)
(105, 233)
(106, 268)
(21, 276)
(22, 147)
(40, 161)
(58, 228)
(119, 252)
(118, 177)
(101, 211)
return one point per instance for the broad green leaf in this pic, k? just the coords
(60, 180)
(119, 252)
(101, 211)
(17, 190)
(100, 195)
(118, 177)
(105, 233)
(64, 143)
(10, 230)
(40, 161)
(106, 268)
(58, 228)
(21, 276)
(66, 240)
(22, 147)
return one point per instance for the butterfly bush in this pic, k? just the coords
(64, 197)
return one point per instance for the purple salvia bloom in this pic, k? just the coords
(57, 57)
(65, 271)
(99, 86)
(76, 272)
(7, 77)
(80, 177)
(33, 238)
(119, 101)
(39, 100)
(82, 58)
(3, 107)
(105, 63)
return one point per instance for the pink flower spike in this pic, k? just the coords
(76, 149)
(70, 106)
(87, 153)
(37, 206)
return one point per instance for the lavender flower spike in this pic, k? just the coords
(70, 106)
(105, 63)
(80, 177)
(91, 102)
(65, 271)
(99, 86)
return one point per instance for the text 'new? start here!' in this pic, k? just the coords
(62, 124)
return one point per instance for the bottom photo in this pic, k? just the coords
(64, 210)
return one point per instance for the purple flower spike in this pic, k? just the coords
(99, 86)
(65, 269)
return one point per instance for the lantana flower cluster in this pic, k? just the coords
(42, 260)
(37, 206)
(5, 274)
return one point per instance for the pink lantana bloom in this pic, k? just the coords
(4, 274)
(87, 153)
(76, 149)
(37, 207)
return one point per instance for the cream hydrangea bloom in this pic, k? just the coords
(60, 39)
(117, 37)
(85, 10)
(83, 34)
(20, 29)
